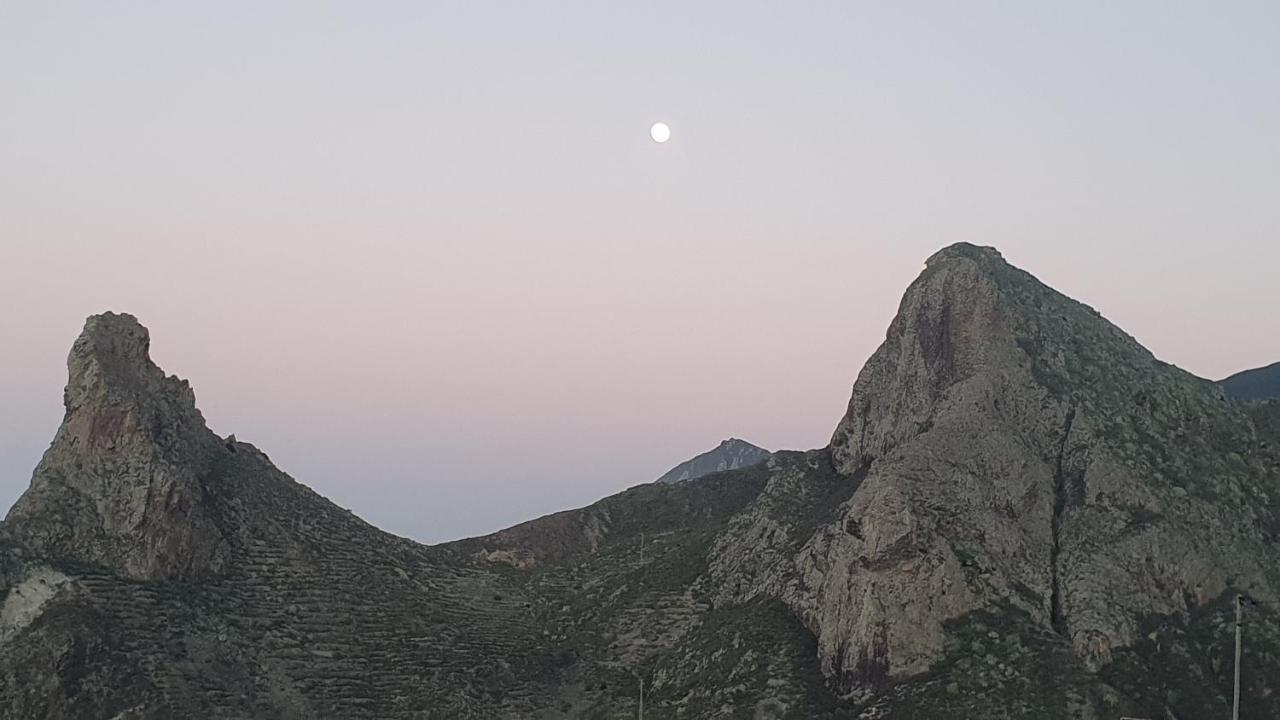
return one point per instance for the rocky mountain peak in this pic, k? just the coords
(970, 329)
(730, 454)
(978, 253)
(1010, 445)
(953, 323)
(117, 398)
(121, 485)
(115, 343)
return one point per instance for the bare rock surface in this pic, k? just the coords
(1015, 449)
(123, 486)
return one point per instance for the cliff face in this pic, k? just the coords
(1013, 449)
(123, 485)
(1022, 514)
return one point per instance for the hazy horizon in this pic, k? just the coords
(429, 260)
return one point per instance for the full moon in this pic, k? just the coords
(660, 132)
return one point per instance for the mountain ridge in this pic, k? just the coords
(1023, 513)
(730, 454)
(1261, 383)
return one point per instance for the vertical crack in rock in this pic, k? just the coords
(1060, 491)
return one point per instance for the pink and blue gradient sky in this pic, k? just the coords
(426, 256)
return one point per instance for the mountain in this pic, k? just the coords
(731, 454)
(1022, 514)
(1258, 384)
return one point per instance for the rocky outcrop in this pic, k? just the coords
(730, 454)
(1014, 449)
(123, 484)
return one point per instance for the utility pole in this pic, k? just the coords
(1235, 703)
(641, 715)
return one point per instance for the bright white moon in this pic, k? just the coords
(660, 132)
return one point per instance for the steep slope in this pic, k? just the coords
(629, 573)
(1018, 455)
(1257, 384)
(1022, 514)
(730, 454)
(155, 570)
(123, 484)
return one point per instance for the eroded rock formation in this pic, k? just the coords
(123, 486)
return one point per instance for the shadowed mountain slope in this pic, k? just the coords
(1022, 514)
(1258, 384)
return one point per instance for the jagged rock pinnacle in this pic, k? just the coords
(122, 484)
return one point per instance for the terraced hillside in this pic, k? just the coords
(1022, 515)
(155, 570)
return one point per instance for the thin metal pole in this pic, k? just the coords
(641, 699)
(1235, 705)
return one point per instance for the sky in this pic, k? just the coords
(427, 257)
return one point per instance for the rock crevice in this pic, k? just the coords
(1061, 500)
